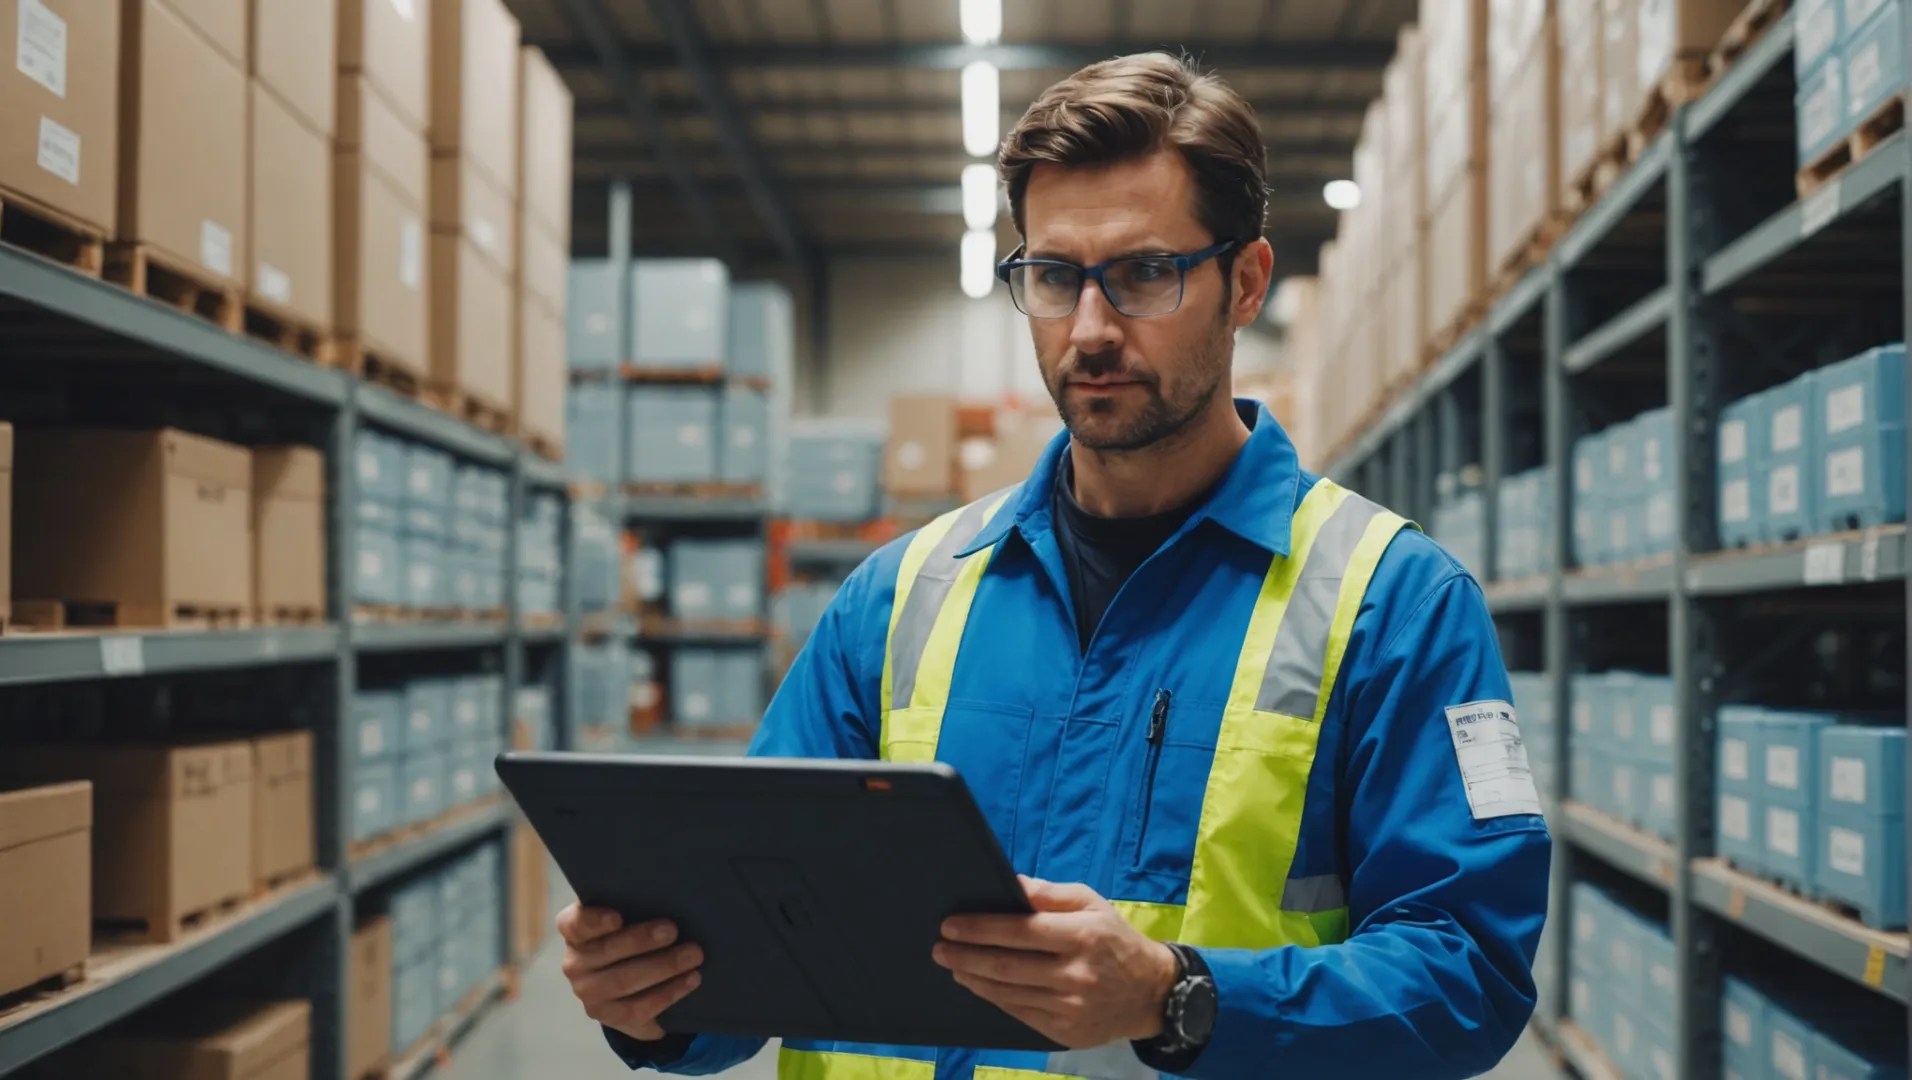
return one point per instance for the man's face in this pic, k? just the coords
(1124, 383)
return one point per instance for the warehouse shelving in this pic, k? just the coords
(458, 829)
(412, 637)
(420, 1060)
(1699, 274)
(643, 507)
(67, 656)
(837, 553)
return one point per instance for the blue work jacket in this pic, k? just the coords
(1435, 979)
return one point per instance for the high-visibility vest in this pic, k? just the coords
(1240, 894)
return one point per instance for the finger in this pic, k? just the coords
(1019, 1001)
(631, 941)
(639, 1012)
(578, 924)
(1049, 932)
(1008, 966)
(636, 976)
(1054, 896)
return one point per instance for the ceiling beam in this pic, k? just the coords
(1227, 56)
(693, 52)
(591, 20)
(797, 108)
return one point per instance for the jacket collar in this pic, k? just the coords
(1255, 500)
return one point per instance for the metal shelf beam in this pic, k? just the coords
(1746, 72)
(68, 657)
(1648, 314)
(362, 875)
(541, 471)
(1860, 186)
(406, 637)
(404, 416)
(690, 508)
(1620, 200)
(1872, 958)
(1625, 583)
(1852, 558)
(1625, 848)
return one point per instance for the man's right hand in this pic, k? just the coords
(626, 975)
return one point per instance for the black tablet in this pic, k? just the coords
(816, 888)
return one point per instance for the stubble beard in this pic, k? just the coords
(1159, 419)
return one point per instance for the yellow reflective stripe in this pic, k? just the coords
(1163, 922)
(1320, 503)
(914, 557)
(1354, 585)
(822, 1065)
(997, 1072)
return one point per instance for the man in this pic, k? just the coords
(1203, 697)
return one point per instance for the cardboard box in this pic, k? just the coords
(919, 461)
(59, 109)
(295, 53)
(1454, 44)
(474, 92)
(290, 218)
(1582, 107)
(222, 23)
(282, 802)
(465, 201)
(1456, 140)
(1524, 170)
(368, 997)
(182, 158)
(156, 810)
(1514, 29)
(1405, 324)
(1620, 92)
(387, 41)
(470, 323)
(1022, 437)
(1456, 251)
(530, 893)
(288, 516)
(544, 261)
(46, 840)
(367, 123)
(6, 522)
(202, 1040)
(150, 521)
(544, 144)
(1406, 196)
(378, 263)
(538, 371)
(1671, 30)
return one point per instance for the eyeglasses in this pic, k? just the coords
(1136, 285)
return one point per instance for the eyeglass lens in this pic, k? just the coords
(1137, 287)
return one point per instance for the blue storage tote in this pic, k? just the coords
(1625, 735)
(423, 521)
(1874, 62)
(462, 588)
(414, 1001)
(1879, 1059)
(1790, 756)
(1662, 976)
(596, 316)
(741, 676)
(1789, 461)
(454, 969)
(1860, 405)
(832, 474)
(1743, 1028)
(375, 803)
(1652, 434)
(427, 477)
(762, 331)
(1620, 482)
(378, 515)
(744, 457)
(1590, 908)
(593, 445)
(465, 769)
(696, 686)
(427, 714)
(421, 777)
(1741, 501)
(413, 907)
(381, 466)
(467, 713)
(1862, 768)
(1791, 1044)
(680, 312)
(717, 579)
(1587, 1004)
(671, 434)
(1626, 936)
(1861, 822)
(1656, 717)
(1627, 1046)
(1818, 29)
(377, 717)
(425, 585)
(380, 568)
(1589, 507)
(1819, 108)
(1659, 813)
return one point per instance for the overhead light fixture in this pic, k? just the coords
(982, 21)
(979, 263)
(979, 195)
(982, 109)
(1342, 194)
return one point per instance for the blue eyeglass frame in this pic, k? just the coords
(1098, 274)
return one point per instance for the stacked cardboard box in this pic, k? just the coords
(1008, 452)
(59, 112)
(1524, 104)
(543, 240)
(1454, 34)
(919, 461)
(46, 842)
(282, 845)
(1581, 32)
(1404, 207)
(1365, 363)
(196, 1039)
(368, 1006)
(288, 530)
(293, 111)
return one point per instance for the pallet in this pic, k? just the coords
(708, 490)
(1597, 176)
(703, 375)
(149, 272)
(1685, 80)
(542, 446)
(1885, 121)
(404, 834)
(288, 331)
(376, 366)
(165, 930)
(542, 620)
(798, 531)
(586, 490)
(665, 627)
(289, 616)
(469, 408)
(1745, 32)
(284, 881)
(1532, 251)
(713, 733)
(33, 226)
(52, 984)
(388, 613)
(1439, 342)
(45, 615)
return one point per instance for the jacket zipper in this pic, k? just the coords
(1156, 733)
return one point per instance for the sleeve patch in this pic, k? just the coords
(1493, 760)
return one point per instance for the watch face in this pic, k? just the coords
(1197, 1019)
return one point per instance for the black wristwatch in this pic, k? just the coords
(1188, 1015)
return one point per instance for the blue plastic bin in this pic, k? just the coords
(1860, 406)
(1790, 461)
(1742, 501)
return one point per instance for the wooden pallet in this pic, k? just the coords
(1598, 176)
(1745, 32)
(33, 226)
(388, 613)
(285, 329)
(699, 490)
(1445, 338)
(165, 929)
(289, 616)
(1532, 251)
(542, 620)
(1885, 121)
(284, 881)
(386, 841)
(470, 408)
(805, 531)
(543, 446)
(1685, 80)
(702, 375)
(374, 365)
(45, 615)
(664, 627)
(52, 984)
(149, 272)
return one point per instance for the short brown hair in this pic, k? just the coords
(1134, 106)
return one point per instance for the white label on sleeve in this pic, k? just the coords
(1736, 500)
(371, 740)
(41, 50)
(59, 150)
(1782, 490)
(1862, 77)
(215, 247)
(1846, 852)
(1782, 831)
(1782, 767)
(484, 234)
(274, 283)
(1739, 1026)
(1732, 442)
(1735, 818)
(1732, 763)
(1788, 428)
(1789, 1058)
(1493, 760)
(1848, 780)
(1846, 472)
(1845, 408)
(411, 254)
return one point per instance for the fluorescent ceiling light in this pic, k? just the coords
(979, 263)
(982, 21)
(982, 109)
(979, 195)
(1342, 194)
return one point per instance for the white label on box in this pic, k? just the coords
(1732, 763)
(1660, 725)
(407, 9)
(1782, 767)
(1739, 1026)
(1617, 458)
(1582, 717)
(467, 714)
(274, 283)
(421, 480)
(1782, 831)
(1846, 471)
(1846, 852)
(122, 655)
(650, 573)
(1789, 425)
(41, 51)
(465, 783)
(1782, 490)
(1736, 500)
(1663, 1067)
(371, 740)
(690, 434)
(742, 596)
(1662, 793)
(911, 456)
(644, 695)
(1732, 442)
(422, 789)
(1848, 780)
(1845, 408)
(1623, 723)
(1789, 1058)
(1735, 818)
(421, 721)
(1582, 997)
(371, 564)
(743, 438)
(1863, 72)
(368, 470)
(484, 234)
(1825, 563)
(1493, 760)
(696, 706)
(1818, 29)
(1650, 460)
(1583, 476)
(411, 253)
(215, 247)
(59, 151)
(422, 576)
(1623, 785)
(692, 596)
(698, 319)
(597, 322)
(1858, 11)
(1825, 106)
(844, 483)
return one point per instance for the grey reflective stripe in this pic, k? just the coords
(1110, 1061)
(910, 636)
(1314, 895)
(1292, 683)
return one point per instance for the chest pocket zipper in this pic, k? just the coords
(1156, 734)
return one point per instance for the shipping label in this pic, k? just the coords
(40, 49)
(1782, 831)
(1736, 500)
(1846, 852)
(1848, 780)
(1863, 72)
(215, 247)
(1845, 408)
(1493, 760)
(1846, 472)
(411, 254)
(274, 283)
(1732, 442)
(1782, 767)
(59, 150)
(1735, 818)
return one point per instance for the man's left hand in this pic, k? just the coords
(1075, 971)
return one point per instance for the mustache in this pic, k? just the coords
(1104, 365)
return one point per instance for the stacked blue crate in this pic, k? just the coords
(602, 679)
(1861, 822)
(671, 434)
(744, 454)
(1656, 728)
(762, 331)
(595, 542)
(1621, 482)
(1460, 526)
(532, 712)
(1628, 791)
(1743, 1030)
(1742, 502)
(797, 609)
(717, 580)
(1588, 748)
(1788, 795)
(1588, 997)
(1859, 405)
(680, 313)
(423, 740)
(425, 526)
(593, 425)
(413, 907)
(470, 890)
(478, 538)
(1533, 704)
(1771, 1030)
(380, 462)
(597, 335)
(717, 687)
(378, 716)
(1874, 57)
(833, 472)
(1589, 503)
(1791, 1042)
(1859, 1055)
(1787, 458)
(1740, 828)
(1525, 509)
(540, 564)
(1820, 102)
(1656, 522)
(476, 737)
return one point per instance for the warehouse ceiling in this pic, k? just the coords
(791, 131)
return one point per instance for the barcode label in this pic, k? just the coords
(1825, 563)
(122, 655)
